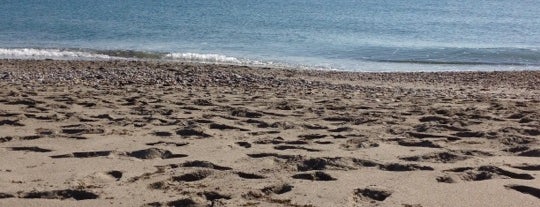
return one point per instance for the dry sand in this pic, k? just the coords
(133, 133)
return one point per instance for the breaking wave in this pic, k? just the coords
(216, 58)
(31, 53)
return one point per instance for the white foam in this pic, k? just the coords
(216, 58)
(32, 53)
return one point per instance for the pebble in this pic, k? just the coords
(121, 73)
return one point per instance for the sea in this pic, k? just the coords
(350, 35)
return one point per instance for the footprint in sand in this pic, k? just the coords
(162, 133)
(418, 143)
(530, 153)
(277, 189)
(201, 164)
(178, 144)
(289, 147)
(30, 149)
(525, 189)
(192, 132)
(79, 129)
(359, 143)
(192, 177)
(6, 139)
(225, 127)
(150, 153)
(314, 176)
(371, 193)
(529, 167)
(436, 157)
(54, 194)
(481, 173)
(244, 144)
(153, 153)
(85, 154)
(10, 122)
(249, 175)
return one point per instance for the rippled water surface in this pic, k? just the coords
(357, 35)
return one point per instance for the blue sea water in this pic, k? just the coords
(356, 35)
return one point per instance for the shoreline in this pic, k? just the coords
(189, 74)
(145, 133)
(352, 75)
(364, 65)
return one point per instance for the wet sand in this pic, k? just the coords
(135, 133)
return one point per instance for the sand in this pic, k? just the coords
(136, 133)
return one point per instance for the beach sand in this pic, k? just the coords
(136, 133)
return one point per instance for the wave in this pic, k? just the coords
(374, 59)
(32, 53)
(35, 53)
(131, 54)
(216, 58)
